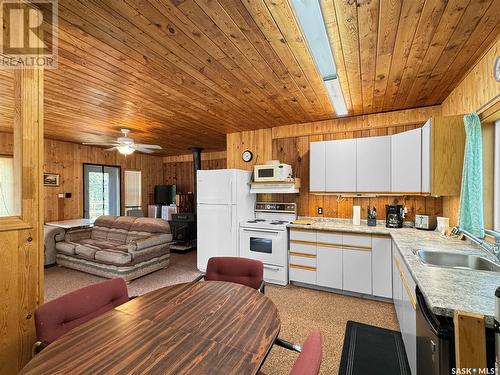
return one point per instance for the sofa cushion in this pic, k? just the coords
(101, 228)
(99, 244)
(120, 229)
(150, 225)
(144, 227)
(154, 240)
(113, 256)
(67, 248)
(105, 221)
(150, 253)
(86, 251)
(99, 233)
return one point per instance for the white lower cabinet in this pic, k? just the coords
(353, 262)
(381, 266)
(329, 267)
(357, 271)
(405, 305)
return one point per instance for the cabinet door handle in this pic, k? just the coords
(271, 267)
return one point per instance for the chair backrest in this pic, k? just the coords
(249, 272)
(135, 212)
(309, 360)
(56, 317)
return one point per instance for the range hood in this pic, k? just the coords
(276, 187)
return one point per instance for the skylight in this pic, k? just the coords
(311, 20)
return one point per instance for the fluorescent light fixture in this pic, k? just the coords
(311, 20)
(336, 96)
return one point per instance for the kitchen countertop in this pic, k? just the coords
(445, 289)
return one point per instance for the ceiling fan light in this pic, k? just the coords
(125, 150)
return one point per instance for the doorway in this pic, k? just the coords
(101, 190)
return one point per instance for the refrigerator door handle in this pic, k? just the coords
(230, 219)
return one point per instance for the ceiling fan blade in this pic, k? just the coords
(142, 149)
(100, 144)
(143, 145)
(111, 149)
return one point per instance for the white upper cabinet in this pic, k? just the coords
(374, 164)
(340, 165)
(407, 161)
(428, 160)
(426, 157)
(317, 166)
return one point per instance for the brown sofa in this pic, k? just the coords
(117, 246)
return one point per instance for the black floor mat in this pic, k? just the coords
(370, 350)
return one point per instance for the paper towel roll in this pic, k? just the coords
(356, 215)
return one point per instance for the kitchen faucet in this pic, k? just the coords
(492, 248)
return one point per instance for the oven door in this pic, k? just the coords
(266, 245)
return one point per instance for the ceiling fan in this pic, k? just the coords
(126, 145)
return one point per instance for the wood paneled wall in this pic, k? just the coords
(363, 122)
(178, 170)
(290, 144)
(21, 237)
(67, 160)
(478, 92)
(258, 141)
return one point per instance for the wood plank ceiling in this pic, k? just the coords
(183, 73)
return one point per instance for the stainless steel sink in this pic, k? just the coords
(456, 260)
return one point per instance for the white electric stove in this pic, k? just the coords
(265, 238)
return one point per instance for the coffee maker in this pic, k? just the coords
(394, 216)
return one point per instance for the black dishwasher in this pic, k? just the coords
(435, 340)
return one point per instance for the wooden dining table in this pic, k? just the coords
(207, 327)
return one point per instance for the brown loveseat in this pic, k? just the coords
(117, 246)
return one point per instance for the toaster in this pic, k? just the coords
(426, 222)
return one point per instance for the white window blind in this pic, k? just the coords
(7, 197)
(133, 192)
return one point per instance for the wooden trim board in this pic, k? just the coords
(307, 268)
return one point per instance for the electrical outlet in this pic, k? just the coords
(320, 210)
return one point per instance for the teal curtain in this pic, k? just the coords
(471, 197)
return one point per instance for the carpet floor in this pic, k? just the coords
(301, 310)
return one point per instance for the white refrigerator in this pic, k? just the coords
(224, 200)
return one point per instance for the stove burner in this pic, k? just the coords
(255, 221)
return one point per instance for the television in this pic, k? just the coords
(165, 194)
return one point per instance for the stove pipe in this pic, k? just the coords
(196, 166)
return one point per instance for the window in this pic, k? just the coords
(101, 190)
(7, 198)
(133, 192)
(496, 208)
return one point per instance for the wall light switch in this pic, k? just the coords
(320, 210)
(60, 195)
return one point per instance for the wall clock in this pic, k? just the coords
(247, 156)
(496, 69)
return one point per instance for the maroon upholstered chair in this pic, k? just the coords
(55, 318)
(311, 354)
(249, 272)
